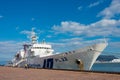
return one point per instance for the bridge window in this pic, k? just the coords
(40, 48)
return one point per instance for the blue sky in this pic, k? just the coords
(66, 24)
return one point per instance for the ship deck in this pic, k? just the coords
(9, 73)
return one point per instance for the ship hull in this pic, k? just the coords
(80, 59)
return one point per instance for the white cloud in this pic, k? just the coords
(32, 19)
(113, 49)
(17, 27)
(28, 33)
(72, 43)
(66, 46)
(25, 32)
(112, 10)
(63, 45)
(94, 4)
(69, 26)
(9, 48)
(49, 36)
(1, 16)
(80, 7)
(104, 27)
(71, 39)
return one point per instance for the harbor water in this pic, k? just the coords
(108, 67)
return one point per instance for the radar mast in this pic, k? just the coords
(34, 37)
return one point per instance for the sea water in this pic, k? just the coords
(108, 67)
(3, 62)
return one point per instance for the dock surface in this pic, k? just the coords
(9, 73)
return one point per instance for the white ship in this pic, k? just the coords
(41, 55)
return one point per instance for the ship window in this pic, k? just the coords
(40, 48)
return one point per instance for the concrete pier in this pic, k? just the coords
(9, 73)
